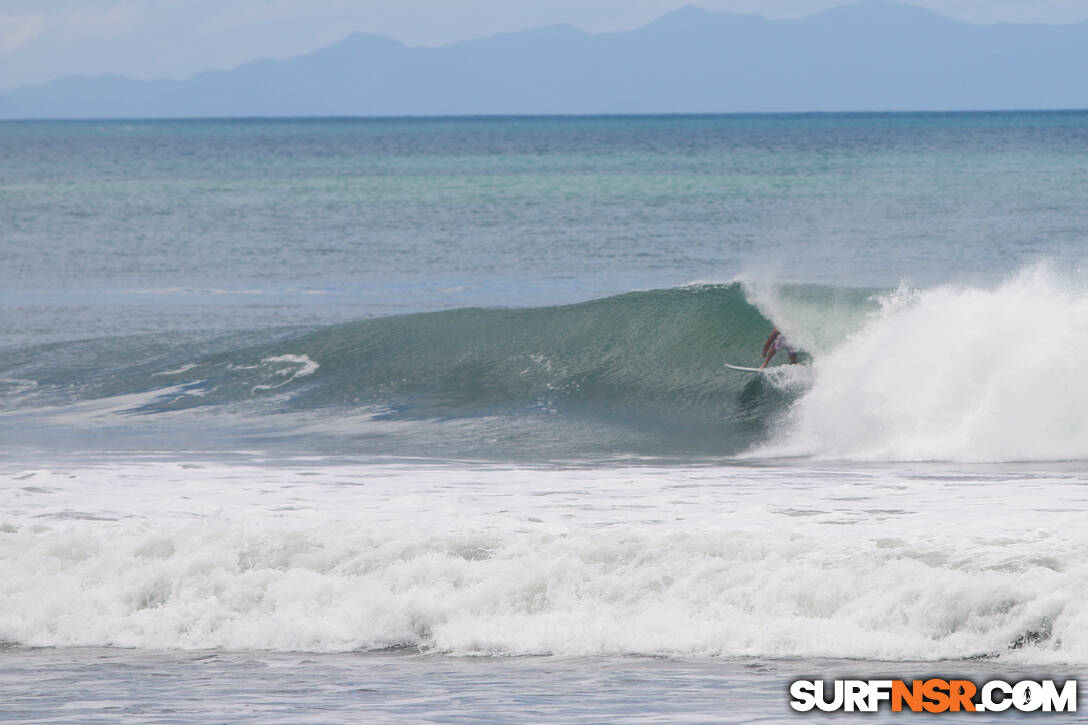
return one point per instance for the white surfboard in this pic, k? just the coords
(747, 370)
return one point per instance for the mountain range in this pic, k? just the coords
(873, 55)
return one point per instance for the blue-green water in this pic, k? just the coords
(301, 221)
(455, 386)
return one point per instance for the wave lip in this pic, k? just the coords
(956, 374)
(953, 373)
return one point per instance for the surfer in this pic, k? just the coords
(776, 341)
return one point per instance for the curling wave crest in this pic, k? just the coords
(954, 373)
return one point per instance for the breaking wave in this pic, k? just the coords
(952, 373)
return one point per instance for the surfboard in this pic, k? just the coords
(747, 370)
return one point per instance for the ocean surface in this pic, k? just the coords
(427, 420)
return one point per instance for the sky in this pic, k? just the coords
(45, 39)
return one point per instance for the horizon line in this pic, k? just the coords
(526, 116)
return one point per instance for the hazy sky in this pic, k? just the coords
(45, 39)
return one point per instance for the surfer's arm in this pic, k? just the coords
(770, 341)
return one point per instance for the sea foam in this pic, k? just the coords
(954, 373)
(490, 560)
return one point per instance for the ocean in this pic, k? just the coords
(427, 420)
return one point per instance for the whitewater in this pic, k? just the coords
(807, 534)
(490, 561)
(391, 458)
(763, 555)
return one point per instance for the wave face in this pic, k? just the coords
(640, 373)
(951, 373)
(957, 374)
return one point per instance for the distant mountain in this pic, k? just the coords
(873, 55)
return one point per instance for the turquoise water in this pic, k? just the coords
(253, 220)
(412, 400)
(234, 247)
